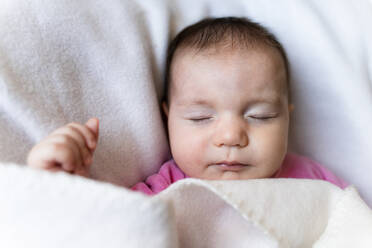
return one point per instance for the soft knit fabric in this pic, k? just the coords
(294, 166)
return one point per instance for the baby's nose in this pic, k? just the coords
(231, 133)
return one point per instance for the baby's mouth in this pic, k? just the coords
(230, 165)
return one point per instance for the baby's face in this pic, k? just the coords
(228, 115)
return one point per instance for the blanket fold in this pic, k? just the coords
(43, 209)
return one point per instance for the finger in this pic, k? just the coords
(41, 158)
(93, 125)
(52, 156)
(89, 135)
(66, 150)
(75, 133)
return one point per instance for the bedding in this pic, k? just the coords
(41, 209)
(63, 61)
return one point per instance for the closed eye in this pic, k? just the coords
(263, 118)
(200, 119)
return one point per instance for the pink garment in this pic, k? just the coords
(294, 166)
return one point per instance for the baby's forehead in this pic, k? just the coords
(267, 54)
(261, 57)
(187, 58)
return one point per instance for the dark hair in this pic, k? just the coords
(225, 31)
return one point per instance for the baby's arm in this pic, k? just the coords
(69, 148)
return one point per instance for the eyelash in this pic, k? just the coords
(200, 119)
(258, 118)
(263, 118)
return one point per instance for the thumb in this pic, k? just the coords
(93, 125)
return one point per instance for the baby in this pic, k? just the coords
(227, 105)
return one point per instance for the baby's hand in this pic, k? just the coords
(69, 148)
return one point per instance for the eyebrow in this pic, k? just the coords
(271, 100)
(202, 102)
(195, 102)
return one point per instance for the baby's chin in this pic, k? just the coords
(233, 175)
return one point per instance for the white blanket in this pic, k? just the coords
(43, 210)
(63, 61)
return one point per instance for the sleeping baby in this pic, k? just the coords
(227, 105)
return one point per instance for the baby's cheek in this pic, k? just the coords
(180, 142)
(188, 152)
(271, 142)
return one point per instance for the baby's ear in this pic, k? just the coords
(164, 106)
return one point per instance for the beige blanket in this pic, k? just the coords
(41, 209)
